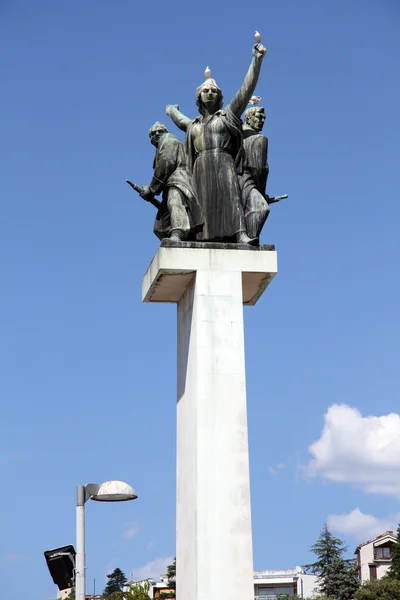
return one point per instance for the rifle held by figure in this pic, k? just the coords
(276, 198)
(139, 190)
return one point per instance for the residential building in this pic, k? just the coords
(269, 584)
(154, 587)
(373, 558)
(161, 587)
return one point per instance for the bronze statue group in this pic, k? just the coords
(213, 185)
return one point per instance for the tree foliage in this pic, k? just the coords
(116, 581)
(326, 549)
(341, 580)
(379, 589)
(171, 574)
(337, 576)
(290, 597)
(394, 570)
(135, 591)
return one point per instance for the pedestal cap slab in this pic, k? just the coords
(175, 265)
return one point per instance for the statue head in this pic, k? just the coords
(209, 96)
(254, 118)
(156, 132)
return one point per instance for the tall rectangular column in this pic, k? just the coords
(213, 487)
(214, 540)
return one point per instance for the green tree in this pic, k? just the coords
(380, 589)
(341, 579)
(116, 596)
(337, 576)
(116, 581)
(171, 573)
(136, 591)
(326, 548)
(289, 597)
(394, 570)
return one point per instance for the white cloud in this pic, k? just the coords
(12, 557)
(131, 531)
(276, 468)
(362, 527)
(363, 451)
(152, 569)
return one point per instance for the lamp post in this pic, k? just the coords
(109, 491)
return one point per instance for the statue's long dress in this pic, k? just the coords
(214, 148)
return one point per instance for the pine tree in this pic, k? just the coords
(341, 580)
(116, 581)
(337, 575)
(394, 570)
(171, 573)
(326, 548)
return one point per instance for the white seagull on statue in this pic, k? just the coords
(257, 37)
(207, 73)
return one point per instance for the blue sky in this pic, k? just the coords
(88, 372)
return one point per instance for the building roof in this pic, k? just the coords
(277, 573)
(274, 573)
(380, 539)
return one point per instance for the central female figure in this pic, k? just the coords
(214, 154)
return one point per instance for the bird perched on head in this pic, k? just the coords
(207, 73)
(255, 100)
(257, 37)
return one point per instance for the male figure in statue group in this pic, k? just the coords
(179, 216)
(253, 179)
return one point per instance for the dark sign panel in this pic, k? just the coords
(61, 564)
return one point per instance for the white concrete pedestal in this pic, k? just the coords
(213, 522)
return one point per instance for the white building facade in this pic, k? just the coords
(375, 556)
(268, 585)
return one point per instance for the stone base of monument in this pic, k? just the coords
(210, 283)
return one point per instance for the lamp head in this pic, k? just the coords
(110, 491)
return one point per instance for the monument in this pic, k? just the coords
(211, 263)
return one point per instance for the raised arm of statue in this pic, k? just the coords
(242, 96)
(180, 120)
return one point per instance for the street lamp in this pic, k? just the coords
(109, 491)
